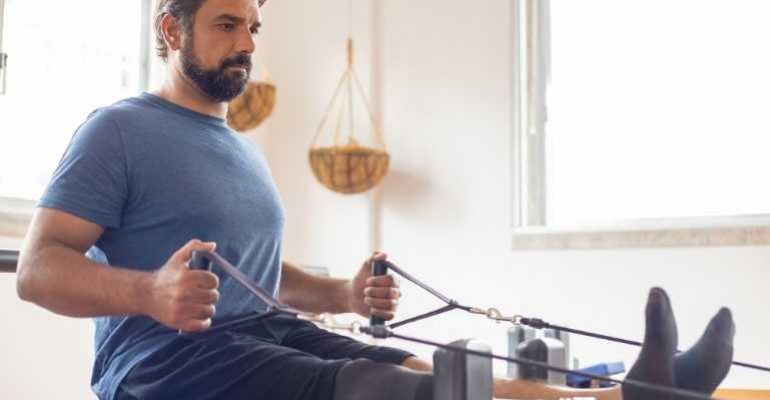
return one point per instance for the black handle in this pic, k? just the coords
(199, 261)
(379, 268)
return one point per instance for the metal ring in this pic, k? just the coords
(494, 313)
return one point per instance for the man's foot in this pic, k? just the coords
(656, 360)
(703, 367)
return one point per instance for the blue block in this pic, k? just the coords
(604, 369)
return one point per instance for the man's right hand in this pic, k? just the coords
(182, 298)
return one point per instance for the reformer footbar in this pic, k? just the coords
(494, 314)
(382, 331)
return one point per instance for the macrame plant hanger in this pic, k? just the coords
(348, 167)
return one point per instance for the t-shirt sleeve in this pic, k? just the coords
(91, 180)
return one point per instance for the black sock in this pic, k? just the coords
(703, 367)
(655, 364)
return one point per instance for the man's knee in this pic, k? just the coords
(364, 379)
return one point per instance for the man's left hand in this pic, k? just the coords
(374, 295)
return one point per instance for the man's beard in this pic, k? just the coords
(215, 82)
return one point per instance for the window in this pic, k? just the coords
(65, 59)
(639, 111)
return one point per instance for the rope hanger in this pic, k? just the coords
(348, 165)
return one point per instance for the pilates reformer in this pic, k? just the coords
(462, 369)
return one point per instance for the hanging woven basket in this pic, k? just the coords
(349, 168)
(252, 107)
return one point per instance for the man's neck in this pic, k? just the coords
(179, 90)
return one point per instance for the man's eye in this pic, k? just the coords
(227, 27)
(254, 31)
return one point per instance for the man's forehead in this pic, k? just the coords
(246, 9)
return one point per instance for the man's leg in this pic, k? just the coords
(379, 366)
(703, 367)
(229, 365)
(364, 379)
(369, 372)
(655, 363)
(393, 369)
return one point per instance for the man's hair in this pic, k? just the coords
(183, 11)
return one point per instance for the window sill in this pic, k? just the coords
(687, 232)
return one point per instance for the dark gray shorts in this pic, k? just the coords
(255, 356)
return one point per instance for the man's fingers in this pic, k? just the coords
(381, 304)
(386, 315)
(202, 296)
(383, 281)
(383, 292)
(197, 316)
(204, 279)
(195, 325)
(184, 254)
(197, 312)
(203, 312)
(380, 256)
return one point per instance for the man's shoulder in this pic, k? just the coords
(127, 117)
(106, 127)
(128, 109)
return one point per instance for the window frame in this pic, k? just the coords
(15, 213)
(3, 59)
(530, 39)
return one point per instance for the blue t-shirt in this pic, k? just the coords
(156, 175)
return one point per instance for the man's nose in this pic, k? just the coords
(246, 42)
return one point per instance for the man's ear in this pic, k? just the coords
(172, 32)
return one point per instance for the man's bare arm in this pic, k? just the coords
(364, 295)
(313, 293)
(55, 274)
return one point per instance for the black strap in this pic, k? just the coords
(420, 284)
(249, 284)
(540, 324)
(423, 316)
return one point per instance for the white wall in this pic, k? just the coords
(439, 74)
(42, 355)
